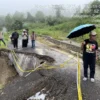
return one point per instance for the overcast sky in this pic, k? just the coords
(10, 6)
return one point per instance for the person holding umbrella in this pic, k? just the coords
(89, 47)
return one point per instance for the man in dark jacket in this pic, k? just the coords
(89, 47)
(14, 38)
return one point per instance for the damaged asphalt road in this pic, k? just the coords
(59, 84)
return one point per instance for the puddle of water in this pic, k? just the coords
(38, 96)
(40, 51)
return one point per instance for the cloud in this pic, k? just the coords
(10, 6)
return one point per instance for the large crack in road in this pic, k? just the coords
(58, 84)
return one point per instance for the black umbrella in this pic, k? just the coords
(81, 30)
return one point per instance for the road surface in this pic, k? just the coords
(59, 83)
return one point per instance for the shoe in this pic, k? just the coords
(85, 79)
(92, 80)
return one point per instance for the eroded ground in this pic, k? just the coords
(58, 84)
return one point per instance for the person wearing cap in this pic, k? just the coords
(24, 38)
(89, 47)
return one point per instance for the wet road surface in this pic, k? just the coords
(59, 83)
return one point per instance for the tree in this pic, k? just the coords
(18, 16)
(92, 8)
(51, 20)
(77, 11)
(8, 22)
(95, 8)
(17, 25)
(2, 21)
(40, 16)
(30, 18)
(58, 9)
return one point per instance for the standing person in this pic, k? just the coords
(1, 38)
(33, 38)
(27, 30)
(89, 47)
(24, 38)
(14, 39)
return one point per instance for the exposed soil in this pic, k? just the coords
(7, 71)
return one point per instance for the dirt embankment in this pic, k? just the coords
(7, 71)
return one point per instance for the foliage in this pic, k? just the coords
(92, 8)
(58, 9)
(8, 22)
(17, 25)
(30, 18)
(40, 17)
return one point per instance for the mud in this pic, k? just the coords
(7, 71)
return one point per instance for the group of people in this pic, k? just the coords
(25, 38)
(89, 47)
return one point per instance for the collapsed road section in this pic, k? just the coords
(52, 84)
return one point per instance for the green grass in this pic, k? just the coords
(60, 31)
(6, 39)
(1, 86)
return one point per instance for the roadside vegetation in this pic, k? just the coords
(58, 26)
